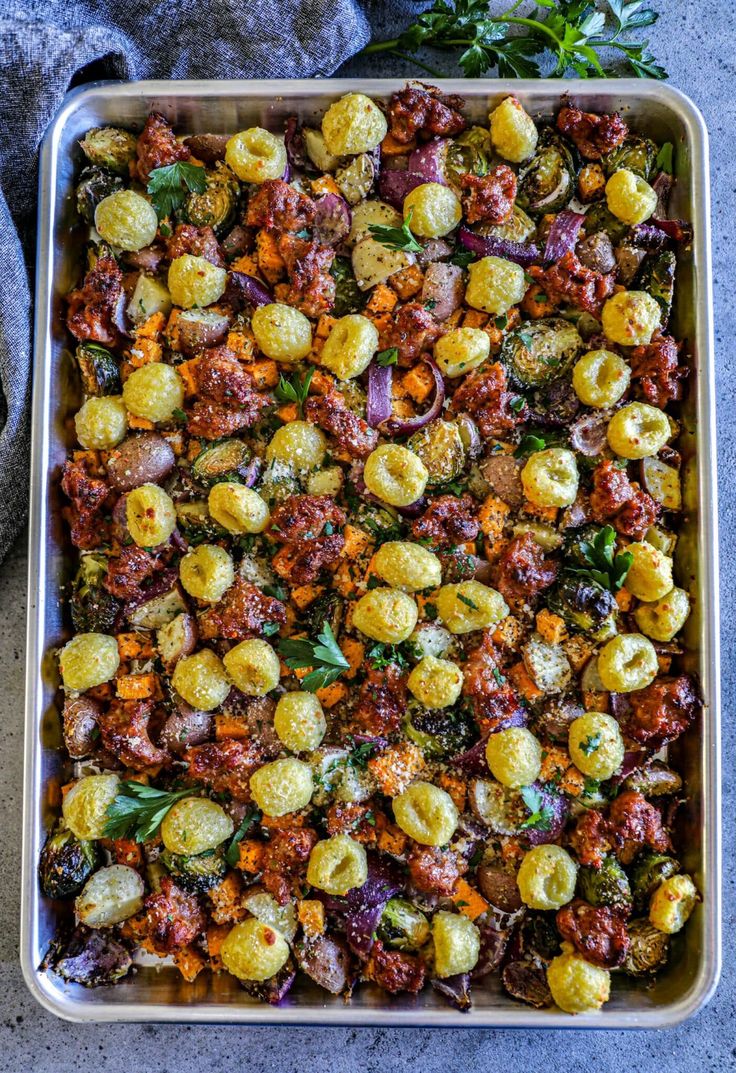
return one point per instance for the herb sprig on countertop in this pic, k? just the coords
(573, 31)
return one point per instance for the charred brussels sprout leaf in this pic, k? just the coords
(109, 147)
(327, 610)
(439, 734)
(599, 218)
(657, 277)
(607, 885)
(403, 926)
(195, 523)
(653, 780)
(547, 183)
(440, 448)
(66, 864)
(94, 185)
(93, 608)
(469, 153)
(215, 206)
(196, 874)
(636, 154)
(98, 369)
(648, 873)
(584, 604)
(648, 949)
(223, 461)
(518, 228)
(348, 296)
(541, 351)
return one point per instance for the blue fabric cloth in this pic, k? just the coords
(48, 46)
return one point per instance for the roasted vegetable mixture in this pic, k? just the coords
(375, 493)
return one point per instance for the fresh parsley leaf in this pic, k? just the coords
(591, 786)
(388, 357)
(323, 657)
(665, 158)
(517, 403)
(360, 754)
(178, 414)
(232, 853)
(137, 810)
(467, 601)
(541, 814)
(529, 444)
(591, 744)
(603, 566)
(501, 322)
(270, 628)
(463, 258)
(277, 591)
(500, 678)
(396, 238)
(168, 186)
(295, 390)
(382, 655)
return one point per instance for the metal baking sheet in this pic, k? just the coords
(153, 994)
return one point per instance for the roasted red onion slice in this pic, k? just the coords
(332, 220)
(491, 246)
(393, 186)
(404, 427)
(243, 290)
(378, 406)
(563, 234)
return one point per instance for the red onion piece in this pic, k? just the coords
(252, 472)
(378, 407)
(242, 289)
(563, 234)
(491, 246)
(648, 237)
(588, 434)
(404, 427)
(679, 230)
(430, 160)
(455, 989)
(332, 220)
(393, 186)
(473, 760)
(413, 510)
(296, 152)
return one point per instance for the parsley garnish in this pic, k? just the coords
(360, 755)
(500, 679)
(467, 601)
(591, 743)
(501, 322)
(138, 810)
(387, 357)
(664, 158)
(463, 258)
(323, 656)
(277, 591)
(529, 444)
(168, 186)
(383, 655)
(232, 853)
(396, 238)
(270, 628)
(295, 390)
(607, 569)
(571, 30)
(517, 403)
(178, 414)
(541, 815)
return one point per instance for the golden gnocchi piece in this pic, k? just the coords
(283, 786)
(201, 681)
(253, 950)
(432, 210)
(577, 986)
(237, 508)
(638, 430)
(495, 285)
(354, 124)
(282, 332)
(426, 813)
(514, 756)
(595, 745)
(101, 423)
(408, 567)
(195, 281)
(256, 155)
(627, 662)
(154, 391)
(600, 378)
(550, 477)
(253, 667)
(460, 350)
(456, 941)
(126, 220)
(84, 807)
(194, 825)
(629, 197)
(300, 722)
(350, 346)
(630, 318)
(337, 865)
(672, 903)
(395, 474)
(465, 606)
(650, 574)
(207, 572)
(547, 877)
(513, 132)
(299, 444)
(664, 618)
(386, 615)
(150, 515)
(436, 683)
(88, 660)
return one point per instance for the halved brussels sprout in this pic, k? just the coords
(573, 551)
(657, 277)
(382, 523)
(327, 609)
(93, 608)
(584, 604)
(196, 874)
(109, 147)
(518, 228)
(600, 218)
(441, 733)
(279, 481)
(607, 885)
(222, 461)
(540, 351)
(654, 779)
(648, 948)
(215, 207)
(648, 873)
(66, 863)
(440, 447)
(636, 154)
(348, 296)
(403, 926)
(94, 185)
(98, 369)
(469, 153)
(195, 522)
(547, 183)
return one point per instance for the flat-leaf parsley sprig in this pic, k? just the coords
(323, 657)
(396, 238)
(607, 569)
(573, 31)
(138, 810)
(168, 186)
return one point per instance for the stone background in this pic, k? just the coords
(696, 42)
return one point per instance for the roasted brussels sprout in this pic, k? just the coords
(518, 228)
(98, 369)
(653, 780)
(573, 553)
(584, 604)
(109, 147)
(403, 926)
(90, 957)
(380, 522)
(657, 277)
(600, 218)
(646, 875)
(94, 185)
(196, 874)
(469, 153)
(648, 949)
(195, 523)
(540, 351)
(441, 733)
(222, 461)
(348, 296)
(93, 608)
(547, 183)
(327, 609)
(215, 207)
(66, 863)
(607, 885)
(635, 154)
(440, 447)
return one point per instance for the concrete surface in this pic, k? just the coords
(696, 42)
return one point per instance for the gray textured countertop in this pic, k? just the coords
(697, 43)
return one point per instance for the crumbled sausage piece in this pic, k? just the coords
(303, 517)
(94, 308)
(424, 109)
(590, 838)
(127, 571)
(197, 241)
(394, 970)
(212, 420)
(447, 521)
(433, 870)
(490, 197)
(381, 701)
(599, 933)
(242, 613)
(656, 368)
(634, 823)
(173, 919)
(621, 502)
(352, 818)
(87, 495)
(662, 711)
(522, 571)
(352, 434)
(124, 733)
(222, 378)
(496, 704)
(594, 135)
(570, 282)
(485, 397)
(288, 851)
(301, 564)
(276, 205)
(308, 265)
(412, 331)
(225, 766)
(157, 148)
